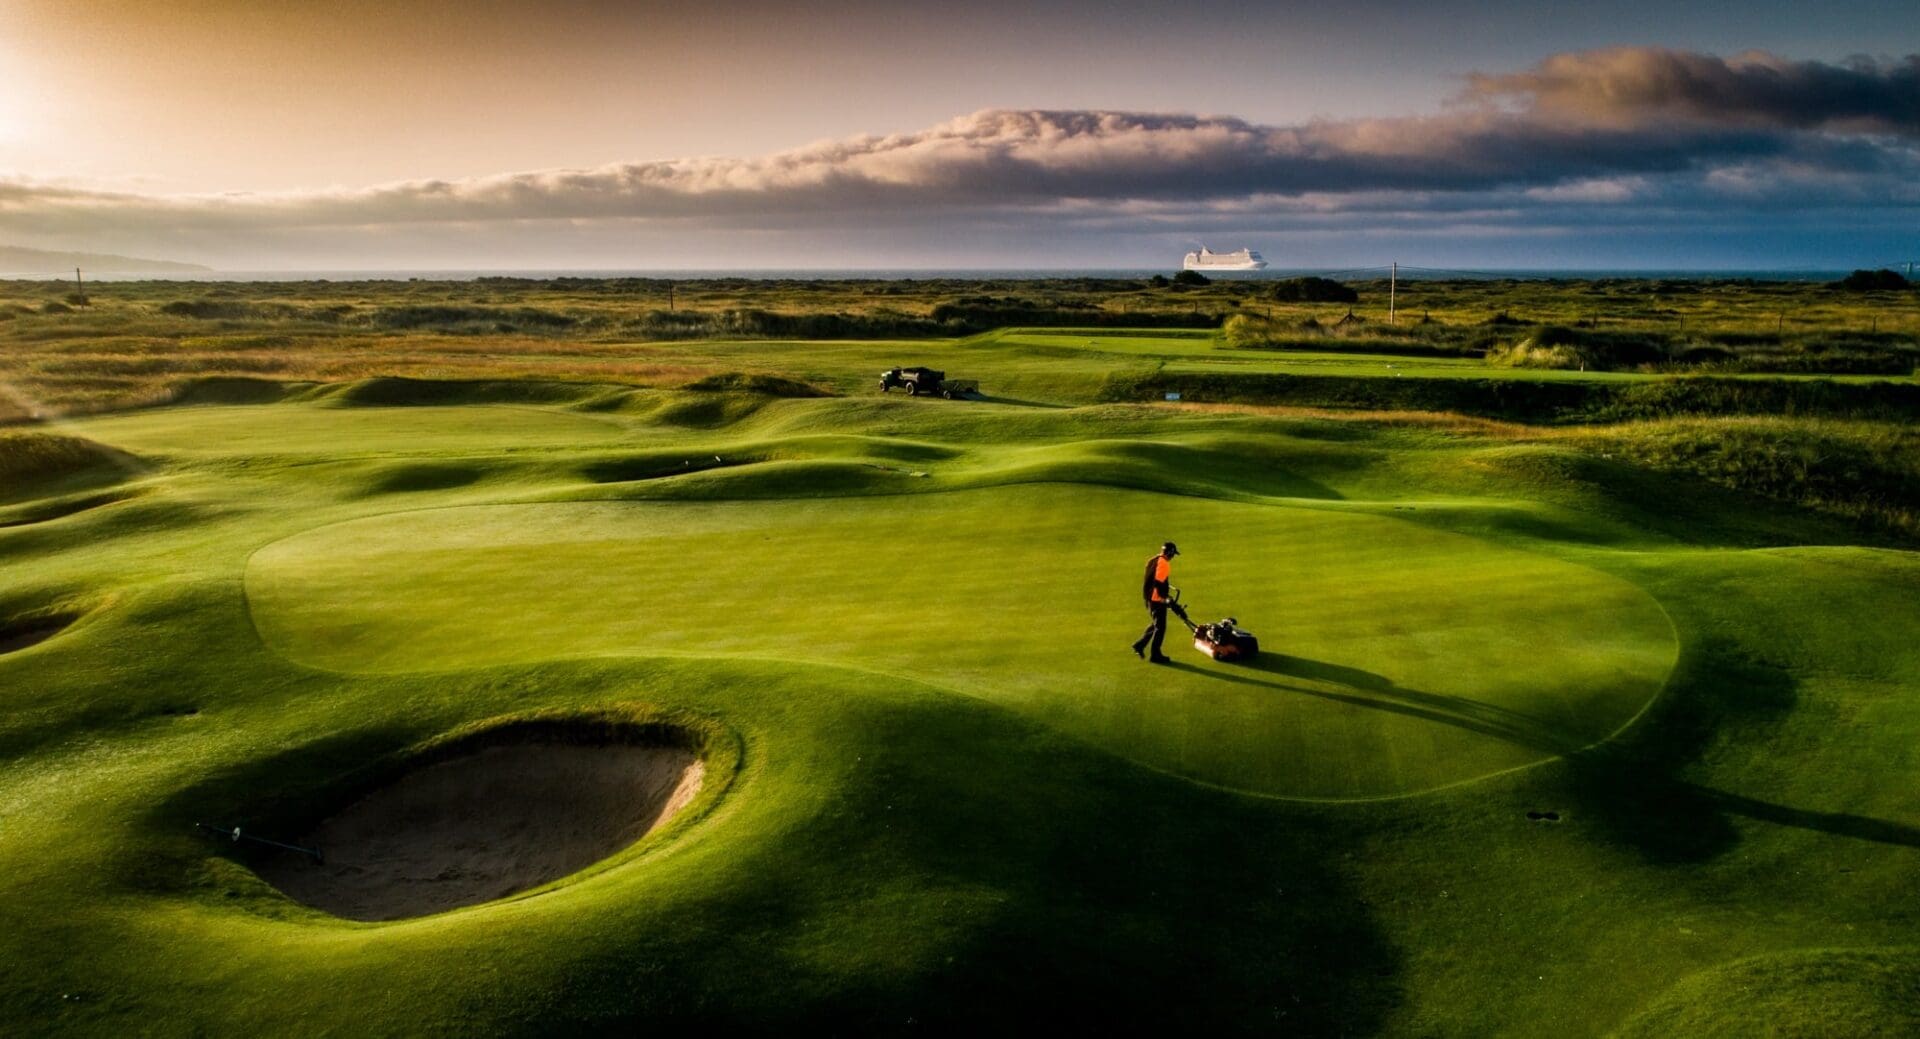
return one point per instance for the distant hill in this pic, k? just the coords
(15, 260)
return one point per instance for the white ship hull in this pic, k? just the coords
(1251, 265)
(1208, 260)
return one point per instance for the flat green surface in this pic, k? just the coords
(1401, 658)
(961, 805)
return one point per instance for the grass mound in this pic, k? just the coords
(654, 465)
(493, 818)
(227, 389)
(764, 385)
(706, 410)
(46, 509)
(23, 632)
(33, 463)
(1863, 472)
(416, 477)
(391, 392)
(1824, 992)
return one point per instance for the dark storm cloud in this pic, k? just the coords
(1595, 129)
(1636, 85)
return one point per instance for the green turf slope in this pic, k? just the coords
(1819, 993)
(938, 817)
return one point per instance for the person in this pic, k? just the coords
(1159, 595)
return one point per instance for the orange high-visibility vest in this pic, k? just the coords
(1162, 569)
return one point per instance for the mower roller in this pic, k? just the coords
(1221, 640)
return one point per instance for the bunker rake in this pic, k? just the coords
(235, 834)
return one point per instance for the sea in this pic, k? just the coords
(1406, 273)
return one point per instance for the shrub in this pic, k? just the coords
(750, 382)
(1313, 290)
(1191, 278)
(1861, 472)
(1882, 280)
(980, 314)
(1701, 355)
(1556, 346)
(1254, 332)
(445, 317)
(207, 309)
(753, 323)
(1529, 353)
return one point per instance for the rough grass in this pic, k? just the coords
(1852, 992)
(1556, 401)
(1869, 472)
(126, 345)
(960, 804)
(37, 463)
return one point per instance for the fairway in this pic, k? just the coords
(1400, 658)
(1507, 693)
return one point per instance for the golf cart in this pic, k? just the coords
(927, 381)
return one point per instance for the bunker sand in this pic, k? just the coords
(486, 825)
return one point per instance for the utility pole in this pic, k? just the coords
(669, 297)
(1393, 290)
(78, 289)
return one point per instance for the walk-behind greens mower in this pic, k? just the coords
(1221, 640)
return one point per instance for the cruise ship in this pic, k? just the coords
(1208, 260)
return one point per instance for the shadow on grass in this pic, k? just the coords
(974, 874)
(1635, 786)
(1631, 787)
(278, 797)
(1019, 403)
(1377, 692)
(1078, 894)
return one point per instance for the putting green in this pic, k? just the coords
(1397, 658)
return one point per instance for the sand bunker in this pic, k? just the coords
(19, 634)
(485, 825)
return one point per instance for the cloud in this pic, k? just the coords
(1634, 86)
(1625, 127)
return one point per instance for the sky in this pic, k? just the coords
(422, 134)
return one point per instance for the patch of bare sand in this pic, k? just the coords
(486, 825)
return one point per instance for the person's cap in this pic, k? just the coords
(1170, 549)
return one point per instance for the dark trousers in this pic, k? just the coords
(1156, 628)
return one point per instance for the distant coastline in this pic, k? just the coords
(19, 262)
(188, 272)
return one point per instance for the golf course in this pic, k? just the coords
(456, 682)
